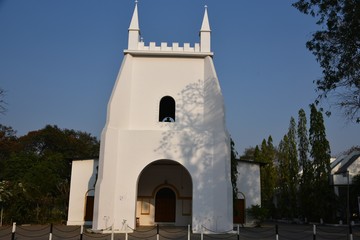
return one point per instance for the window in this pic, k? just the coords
(167, 109)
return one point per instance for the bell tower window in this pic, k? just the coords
(167, 109)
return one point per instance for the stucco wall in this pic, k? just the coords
(133, 138)
(83, 173)
(248, 183)
(83, 179)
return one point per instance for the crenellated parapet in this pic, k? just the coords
(174, 47)
(137, 46)
(168, 49)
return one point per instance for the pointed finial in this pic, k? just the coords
(136, 1)
(205, 24)
(134, 30)
(205, 33)
(134, 24)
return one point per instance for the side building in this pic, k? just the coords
(343, 170)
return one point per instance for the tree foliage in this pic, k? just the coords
(8, 142)
(249, 154)
(305, 165)
(303, 140)
(2, 101)
(320, 147)
(234, 171)
(36, 169)
(283, 184)
(295, 176)
(337, 48)
(294, 168)
(288, 171)
(266, 155)
(320, 153)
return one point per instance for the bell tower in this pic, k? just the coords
(165, 133)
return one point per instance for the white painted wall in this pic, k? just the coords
(248, 183)
(133, 138)
(83, 178)
(83, 173)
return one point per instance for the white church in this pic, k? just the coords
(165, 150)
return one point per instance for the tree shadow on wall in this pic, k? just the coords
(198, 139)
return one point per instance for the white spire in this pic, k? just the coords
(134, 24)
(205, 24)
(134, 30)
(205, 33)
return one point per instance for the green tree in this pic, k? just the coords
(283, 189)
(39, 172)
(8, 143)
(288, 171)
(303, 141)
(234, 171)
(294, 169)
(337, 49)
(266, 154)
(2, 101)
(320, 152)
(306, 177)
(249, 154)
(5, 195)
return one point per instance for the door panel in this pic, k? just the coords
(239, 211)
(89, 209)
(165, 205)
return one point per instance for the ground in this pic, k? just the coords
(267, 231)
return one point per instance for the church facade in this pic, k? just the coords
(165, 150)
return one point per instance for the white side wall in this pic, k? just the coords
(248, 184)
(82, 180)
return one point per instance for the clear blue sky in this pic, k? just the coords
(59, 61)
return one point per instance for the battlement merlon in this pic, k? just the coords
(164, 49)
(137, 46)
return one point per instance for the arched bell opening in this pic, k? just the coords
(164, 194)
(167, 109)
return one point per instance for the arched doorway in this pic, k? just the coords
(164, 194)
(165, 205)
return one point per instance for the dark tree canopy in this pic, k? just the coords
(234, 171)
(337, 49)
(321, 154)
(2, 101)
(35, 171)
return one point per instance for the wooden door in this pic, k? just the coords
(165, 205)
(89, 208)
(239, 211)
